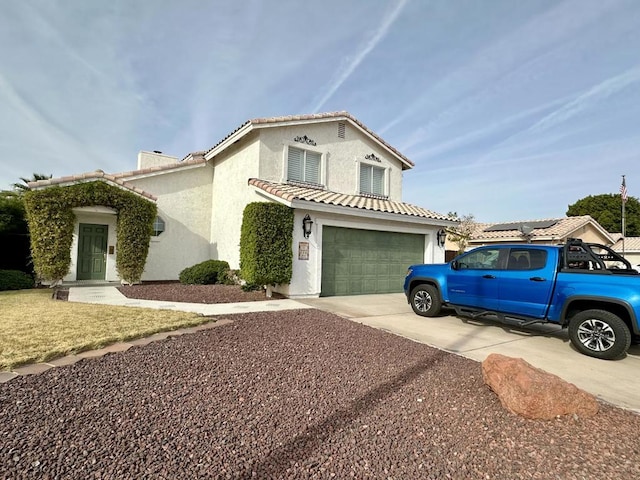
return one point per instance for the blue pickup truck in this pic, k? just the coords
(587, 287)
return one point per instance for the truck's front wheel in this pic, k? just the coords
(599, 334)
(425, 301)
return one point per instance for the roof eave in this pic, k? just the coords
(406, 164)
(230, 140)
(340, 116)
(138, 174)
(315, 206)
(366, 213)
(136, 191)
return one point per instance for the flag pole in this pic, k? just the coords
(623, 197)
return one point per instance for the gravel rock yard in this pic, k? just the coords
(293, 394)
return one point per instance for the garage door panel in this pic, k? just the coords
(356, 270)
(370, 255)
(355, 286)
(399, 268)
(371, 269)
(382, 269)
(341, 287)
(367, 261)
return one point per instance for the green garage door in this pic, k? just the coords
(356, 262)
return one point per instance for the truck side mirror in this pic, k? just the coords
(455, 265)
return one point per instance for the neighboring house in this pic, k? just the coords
(329, 167)
(549, 231)
(630, 246)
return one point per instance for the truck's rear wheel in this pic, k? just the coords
(425, 301)
(599, 334)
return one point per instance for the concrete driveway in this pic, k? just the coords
(544, 346)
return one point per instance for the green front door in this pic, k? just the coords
(92, 252)
(356, 262)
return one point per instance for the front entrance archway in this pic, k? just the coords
(92, 251)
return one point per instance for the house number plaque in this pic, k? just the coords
(303, 250)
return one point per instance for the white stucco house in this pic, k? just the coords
(329, 167)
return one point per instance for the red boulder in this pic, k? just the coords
(533, 393)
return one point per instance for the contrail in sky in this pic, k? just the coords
(361, 55)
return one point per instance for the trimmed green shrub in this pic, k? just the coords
(15, 280)
(266, 255)
(51, 219)
(205, 273)
(250, 287)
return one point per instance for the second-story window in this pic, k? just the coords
(303, 166)
(371, 179)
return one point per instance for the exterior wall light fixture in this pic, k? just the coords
(306, 226)
(441, 237)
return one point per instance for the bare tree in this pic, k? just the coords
(461, 234)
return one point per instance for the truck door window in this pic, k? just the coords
(485, 259)
(526, 259)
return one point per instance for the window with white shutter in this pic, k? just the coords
(371, 180)
(304, 166)
(295, 165)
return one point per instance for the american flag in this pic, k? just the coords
(623, 190)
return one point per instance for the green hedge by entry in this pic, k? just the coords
(266, 239)
(51, 222)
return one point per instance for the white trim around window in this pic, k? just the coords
(303, 164)
(373, 179)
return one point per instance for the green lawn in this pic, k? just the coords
(36, 328)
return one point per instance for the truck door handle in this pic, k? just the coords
(538, 279)
(488, 275)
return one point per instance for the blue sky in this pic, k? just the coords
(510, 110)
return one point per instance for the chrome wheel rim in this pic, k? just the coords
(422, 301)
(596, 335)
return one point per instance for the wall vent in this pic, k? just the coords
(341, 129)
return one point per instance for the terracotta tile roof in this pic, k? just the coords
(630, 244)
(616, 236)
(98, 175)
(560, 229)
(329, 116)
(291, 192)
(197, 159)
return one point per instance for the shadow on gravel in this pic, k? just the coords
(301, 446)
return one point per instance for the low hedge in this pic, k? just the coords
(15, 280)
(206, 273)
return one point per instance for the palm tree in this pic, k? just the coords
(24, 186)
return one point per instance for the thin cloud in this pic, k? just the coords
(586, 100)
(479, 134)
(507, 53)
(46, 29)
(346, 72)
(31, 115)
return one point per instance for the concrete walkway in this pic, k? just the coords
(110, 295)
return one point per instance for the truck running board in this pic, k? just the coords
(521, 322)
